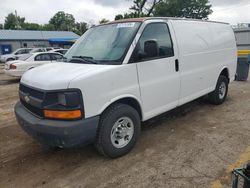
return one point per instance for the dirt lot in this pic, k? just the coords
(195, 146)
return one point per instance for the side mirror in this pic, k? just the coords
(151, 48)
(140, 55)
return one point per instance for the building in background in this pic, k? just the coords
(243, 38)
(10, 40)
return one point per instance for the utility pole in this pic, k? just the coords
(17, 21)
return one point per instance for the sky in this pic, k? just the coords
(91, 11)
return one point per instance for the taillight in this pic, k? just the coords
(12, 66)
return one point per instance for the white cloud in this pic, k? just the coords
(40, 11)
(233, 14)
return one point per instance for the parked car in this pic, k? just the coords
(14, 55)
(135, 70)
(61, 51)
(18, 67)
(36, 50)
(52, 48)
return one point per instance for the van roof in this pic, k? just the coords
(142, 19)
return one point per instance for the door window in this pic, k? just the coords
(43, 57)
(154, 43)
(20, 52)
(56, 56)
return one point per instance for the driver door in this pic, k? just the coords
(158, 69)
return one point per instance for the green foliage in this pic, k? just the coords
(103, 21)
(198, 9)
(48, 27)
(140, 8)
(31, 26)
(119, 17)
(137, 7)
(80, 28)
(63, 21)
(13, 22)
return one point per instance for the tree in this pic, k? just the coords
(119, 17)
(63, 21)
(13, 21)
(31, 26)
(198, 9)
(103, 21)
(80, 28)
(140, 8)
(48, 27)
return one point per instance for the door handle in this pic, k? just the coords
(177, 65)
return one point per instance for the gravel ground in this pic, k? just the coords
(192, 146)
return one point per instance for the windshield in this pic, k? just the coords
(105, 44)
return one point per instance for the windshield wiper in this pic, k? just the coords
(85, 58)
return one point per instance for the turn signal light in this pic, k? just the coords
(73, 114)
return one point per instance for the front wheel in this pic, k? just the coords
(118, 130)
(219, 95)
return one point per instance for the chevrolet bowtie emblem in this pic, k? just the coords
(26, 98)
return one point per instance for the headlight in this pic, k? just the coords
(63, 105)
(69, 99)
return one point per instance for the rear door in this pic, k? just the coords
(158, 71)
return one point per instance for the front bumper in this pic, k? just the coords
(57, 133)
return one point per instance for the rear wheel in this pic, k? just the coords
(118, 131)
(219, 95)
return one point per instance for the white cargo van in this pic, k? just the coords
(122, 73)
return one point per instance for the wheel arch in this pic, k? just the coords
(225, 72)
(126, 99)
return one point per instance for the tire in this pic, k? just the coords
(219, 95)
(118, 116)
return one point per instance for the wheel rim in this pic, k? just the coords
(122, 132)
(222, 90)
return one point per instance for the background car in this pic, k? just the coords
(14, 55)
(18, 67)
(35, 50)
(52, 48)
(61, 51)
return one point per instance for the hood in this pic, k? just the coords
(6, 56)
(59, 75)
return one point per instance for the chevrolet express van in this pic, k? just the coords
(122, 73)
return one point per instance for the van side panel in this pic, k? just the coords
(104, 88)
(204, 50)
(224, 45)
